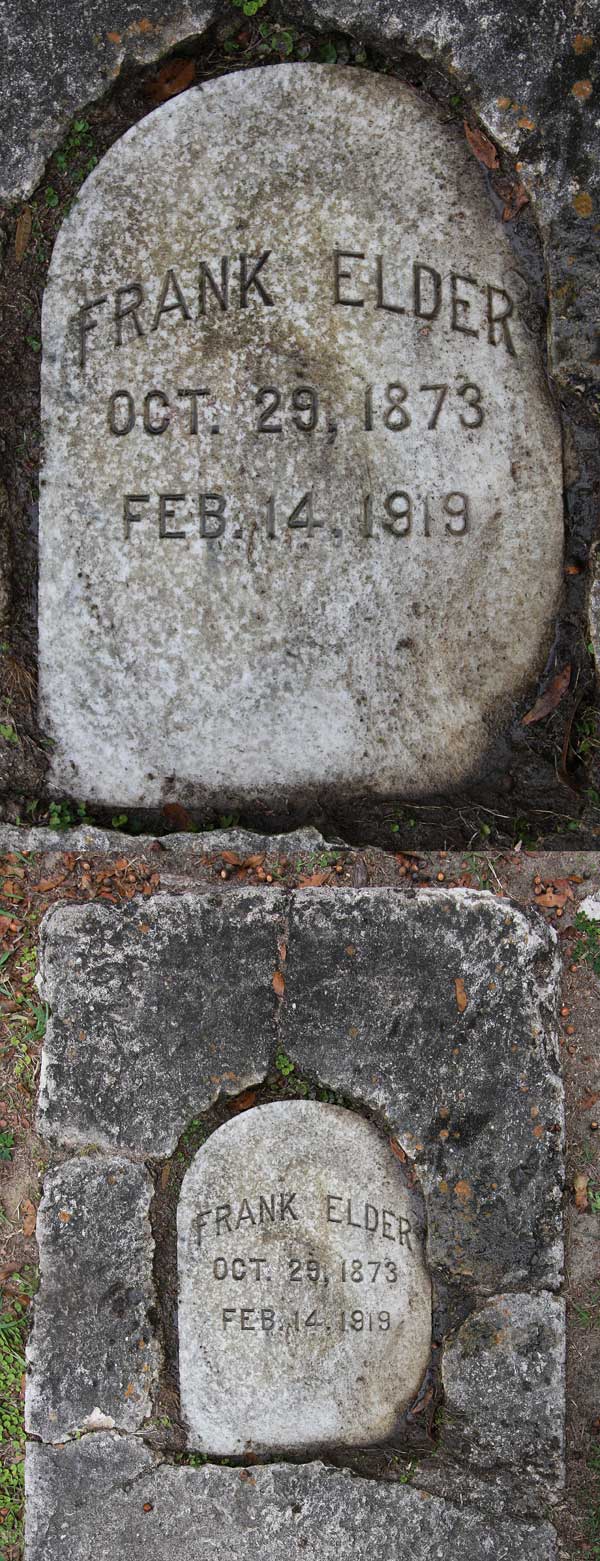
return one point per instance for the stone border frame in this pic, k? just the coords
(527, 127)
(370, 1006)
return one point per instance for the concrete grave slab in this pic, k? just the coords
(145, 1029)
(440, 1011)
(113, 1500)
(306, 497)
(93, 1355)
(504, 1388)
(433, 1014)
(304, 1300)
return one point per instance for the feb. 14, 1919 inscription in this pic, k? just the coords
(304, 1300)
(300, 513)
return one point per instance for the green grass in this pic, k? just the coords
(587, 948)
(13, 1332)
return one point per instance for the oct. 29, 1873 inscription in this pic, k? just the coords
(304, 1299)
(301, 510)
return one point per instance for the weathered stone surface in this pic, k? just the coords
(311, 493)
(373, 1010)
(93, 1356)
(370, 1009)
(304, 1301)
(104, 1498)
(56, 59)
(529, 74)
(89, 839)
(504, 1383)
(155, 1011)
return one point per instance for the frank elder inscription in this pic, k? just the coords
(305, 1303)
(301, 510)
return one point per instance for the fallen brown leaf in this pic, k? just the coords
(555, 895)
(173, 78)
(397, 1149)
(278, 983)
(517, 199)
(22, 233)
(461, 995)
(164, 1176)
(314, 880)
(551, 697)
(589, 1101)
(231, 858)
(254, 861)
(580, 1185)
(46, 884)
(482, 149)
(28, 1216)
(242, 1102)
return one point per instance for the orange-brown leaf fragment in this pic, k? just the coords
(64, 1216)
(517, 199)
(172, 79)
(243, 1102)
(482, 149)
(580, 1185)
(550, 698)
(22, 233)
(461, 994)
(397, 1149)
(28, 1214)
(278, 983)
(555, 895)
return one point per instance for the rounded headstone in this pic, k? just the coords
(304, 1298)
(301, 512)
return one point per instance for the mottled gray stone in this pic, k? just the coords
(90, 840)
(99, 1500)
(517, 65)
(57, 58)
(148, 1027)
(304, 1300)
(155, 1012)
(325, 527)
(504, 1385)
(371, 1008)
(93, 1357)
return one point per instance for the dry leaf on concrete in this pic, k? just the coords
(483, 150)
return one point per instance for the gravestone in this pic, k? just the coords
(343, 1279)
(304, 1301)
(301, 514)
